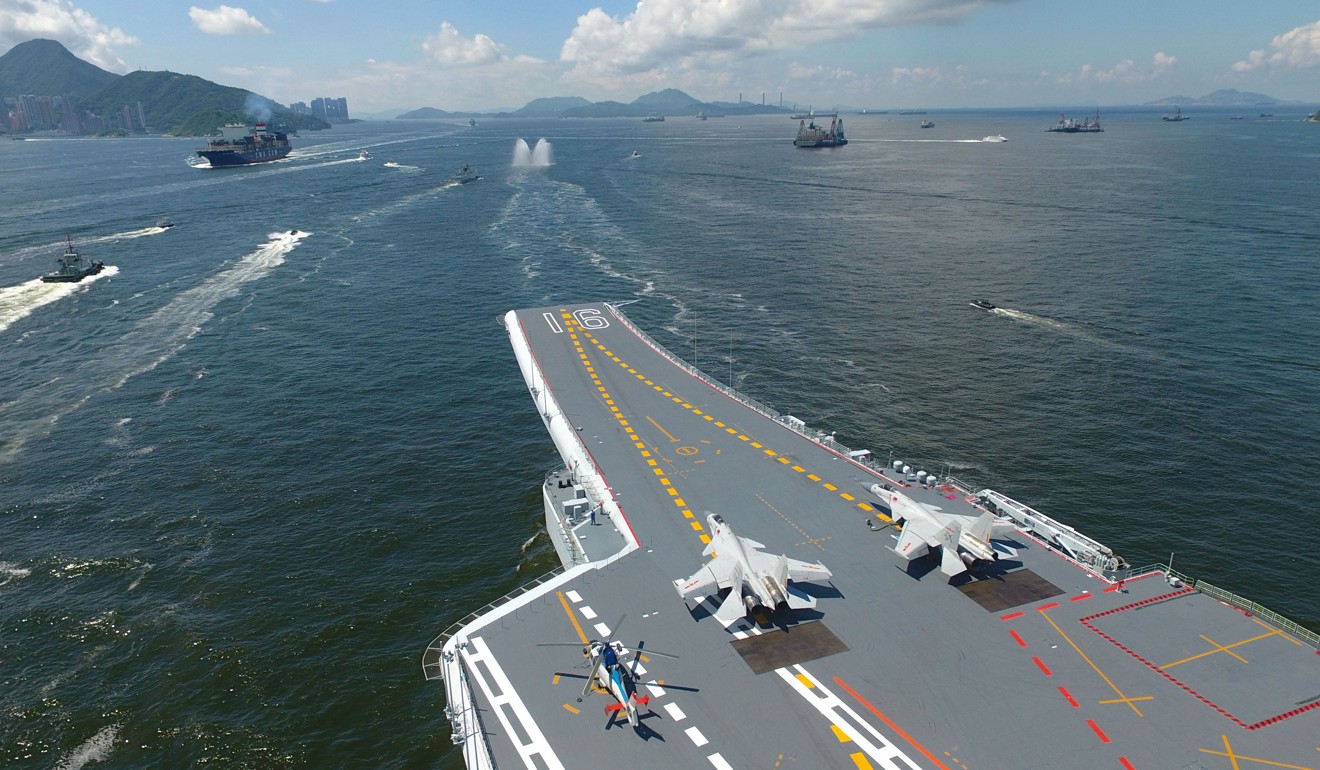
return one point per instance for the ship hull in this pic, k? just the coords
(73, 277)
(228, 158)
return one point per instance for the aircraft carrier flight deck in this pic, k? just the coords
(1038, 657)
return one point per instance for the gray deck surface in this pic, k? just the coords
(928, 677)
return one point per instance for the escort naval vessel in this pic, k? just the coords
(877, 615)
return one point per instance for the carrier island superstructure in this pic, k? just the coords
(1054, 653)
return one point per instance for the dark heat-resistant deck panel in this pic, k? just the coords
(928, 679)
(788, 645)
(1011, 589)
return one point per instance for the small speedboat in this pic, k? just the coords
(927, 124)
(635, 154)
(164, 223)
(364, 155)
(995, 138)
(982, 304)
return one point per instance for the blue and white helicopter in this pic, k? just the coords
(610, 673)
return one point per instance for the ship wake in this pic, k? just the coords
(152, 341)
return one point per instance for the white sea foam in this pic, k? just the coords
(94, 749)
(11, 572)
(18, 302)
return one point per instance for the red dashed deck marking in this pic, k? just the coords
(1126, 764)
(1043, 669)
(1098, 731)
(1086, 621)
(1017, 638)
(1079, 598)
(1068, 696)
(1011, 616)
(1049, 606)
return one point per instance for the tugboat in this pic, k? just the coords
(812, 135)
(73, 267)
(982, 304)
(239, 146)
(654, 117)
(927, 124)
(465, 175)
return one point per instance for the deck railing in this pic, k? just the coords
(432, 663)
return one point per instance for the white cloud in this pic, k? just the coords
(1126, 71)
(226, 20)
(661, 33)
(449, 47)
(1296, 49)
(76, 29)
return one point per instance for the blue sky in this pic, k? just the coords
(482, 55)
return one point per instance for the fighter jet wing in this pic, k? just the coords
(791, 569)
(715, 574)
(804, 570)
(910, 544)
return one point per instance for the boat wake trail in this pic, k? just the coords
(94, 749)
(18, 302)
(152, 341)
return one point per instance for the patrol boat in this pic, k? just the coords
(1046, 651)
(73, 267)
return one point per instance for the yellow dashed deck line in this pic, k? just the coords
(840, 734)
(696, 525)
(806, 681)
(847, 496)
(813, 477)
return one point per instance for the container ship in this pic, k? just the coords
(239, 145)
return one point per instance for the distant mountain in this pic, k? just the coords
(184, 105)
(670, 101)
(551, 107)
(427, 113)
(46, 68)
(1225, 97)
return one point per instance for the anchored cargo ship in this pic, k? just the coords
(811, 135)
(947, 626)
(239, 145)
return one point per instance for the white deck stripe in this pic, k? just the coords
(719, 762)
(696, 736)
(603, 630)
(573, 596)
(833, 709)
(587, 612)
(675, 713)
(480, 662)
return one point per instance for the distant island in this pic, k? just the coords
(1225, 97)
(670, 101)
(85, 99)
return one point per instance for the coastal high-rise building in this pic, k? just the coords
(330, 109)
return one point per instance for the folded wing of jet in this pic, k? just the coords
(755, 579)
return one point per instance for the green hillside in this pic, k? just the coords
(191, 106)
(46, 68)
(184, 105)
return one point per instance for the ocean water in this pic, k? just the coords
(248, 473)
